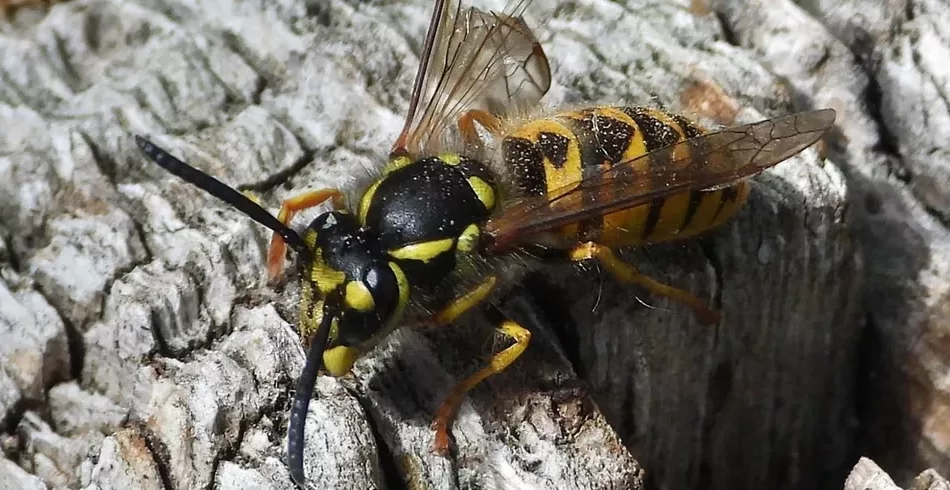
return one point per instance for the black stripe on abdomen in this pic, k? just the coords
(527, 164)
(695, 200)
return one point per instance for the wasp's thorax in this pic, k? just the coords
(356, 281)
(415, 225)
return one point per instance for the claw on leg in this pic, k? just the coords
(442, 423)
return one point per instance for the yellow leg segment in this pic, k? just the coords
(467, 125)
(290, 207)
(499, 362)
(463, 303)
(627, 273)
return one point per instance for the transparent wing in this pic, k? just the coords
(703, 162)
(472, 60)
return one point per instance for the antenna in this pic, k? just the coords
(222, 191)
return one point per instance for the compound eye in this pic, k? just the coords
(355, 328)
(384, 287)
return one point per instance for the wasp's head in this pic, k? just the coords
(351, 280)
(351, 294)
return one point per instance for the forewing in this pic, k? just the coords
(704, 162)
(472, 60)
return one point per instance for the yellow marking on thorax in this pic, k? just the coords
(469, 238)
(483, 191)
(358, 297)
(366, 200)
(450, 158)
(570, 172)
(424, 251)
(396, 164)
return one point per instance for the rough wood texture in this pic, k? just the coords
(867, 475)
(141, 348)
(772, 384)
(900, 175)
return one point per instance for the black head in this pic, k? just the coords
(351, 295)
(344, 273)
(349, 275)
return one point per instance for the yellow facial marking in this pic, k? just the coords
(339, 360)
(310, 238)
(358, 297)
(366, 200)
(396, 164)
(469, 238)
(424, 251)
(484, 191)
(450, 158)
(308, 308)
(326, 278)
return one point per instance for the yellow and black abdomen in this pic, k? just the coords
(567, 148)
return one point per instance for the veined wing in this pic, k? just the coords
(708, 161)
(471, 60)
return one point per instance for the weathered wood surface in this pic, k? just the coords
(867, 475)
(141, 348)
(899, 173)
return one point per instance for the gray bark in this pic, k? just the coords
(141, 347)
(867, 475)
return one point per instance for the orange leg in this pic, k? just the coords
(498, 363)
(467, 125)
(627, 273)
(290, 207)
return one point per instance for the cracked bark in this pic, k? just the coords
(137, 329)
(866, 475)
(897, 174)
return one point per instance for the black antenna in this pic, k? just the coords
(222, 191)
(301, 404)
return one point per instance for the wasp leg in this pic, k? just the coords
(467, 125)
(627, 273)
(290, 207)
(465, 302)
(498, 363)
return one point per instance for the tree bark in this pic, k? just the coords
(141, 347)
(867, 475)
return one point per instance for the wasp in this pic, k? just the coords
(427, 239)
